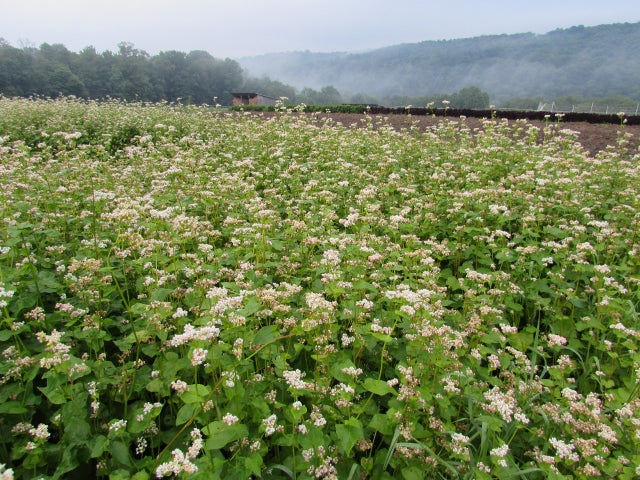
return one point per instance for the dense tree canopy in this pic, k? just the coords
(129, 74)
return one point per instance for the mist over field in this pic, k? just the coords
(576, 67)
(589, 61)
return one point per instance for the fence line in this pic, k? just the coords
(589, 108)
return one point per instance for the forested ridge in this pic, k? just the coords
(589, 61)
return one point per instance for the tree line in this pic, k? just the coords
(128, 74)
(197, 77)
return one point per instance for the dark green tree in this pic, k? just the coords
(327, 95)
(470, 97)
(94, 70)
(171, 76)
(52, 74)
(131, 74)
(16, 71)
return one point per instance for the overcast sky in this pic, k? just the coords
(236, 28)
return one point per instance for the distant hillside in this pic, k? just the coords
(589, 61)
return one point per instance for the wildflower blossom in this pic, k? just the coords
(190, 333)
(564, 450)
(500, 451)
(179, 386)
(352, 371)
(294, 379)
(58, 351)
(459, 443)
(198, 356)
(230, 419)
(41, 432)
(556, 340)
(141, 445)
(5, 473)
(5, 294)
(270, 425)
(182, 462)
(117, 425)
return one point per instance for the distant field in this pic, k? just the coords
(232, 295)
(592, 135)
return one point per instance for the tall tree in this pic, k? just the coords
(131, 74)
(16, 71)
(94, 70)
(470, 97)
(170, 75)
(52, 72)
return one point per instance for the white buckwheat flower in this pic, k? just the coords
(198, 356)
(230, 419)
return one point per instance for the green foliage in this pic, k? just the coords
(470, 97)
(130, 74)
(270, 88)
(327, 95)
(211, 294)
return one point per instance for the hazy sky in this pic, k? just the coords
(236, 28)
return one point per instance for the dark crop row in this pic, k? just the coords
(512, 114)
(454, 112)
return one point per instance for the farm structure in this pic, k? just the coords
(240, 99)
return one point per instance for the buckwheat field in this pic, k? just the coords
(201, 294)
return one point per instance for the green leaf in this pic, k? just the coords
(120, 474)
(221, 434)
(120, 452)
(349, 433)
(48, 283)
(252, 306)
(77, 430)
(363, 285)
(142, 475)
(378, 387)
(413, 473)
(155, 385)
(13, 407)
(286, 470)
(338, 365)
(53, 391)
(522, 340)
(98, 445)
(266, 335)
(161, 294)
(254, 464)
(381, 423)
(196, 393)
(185, 413)
(383, 337)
